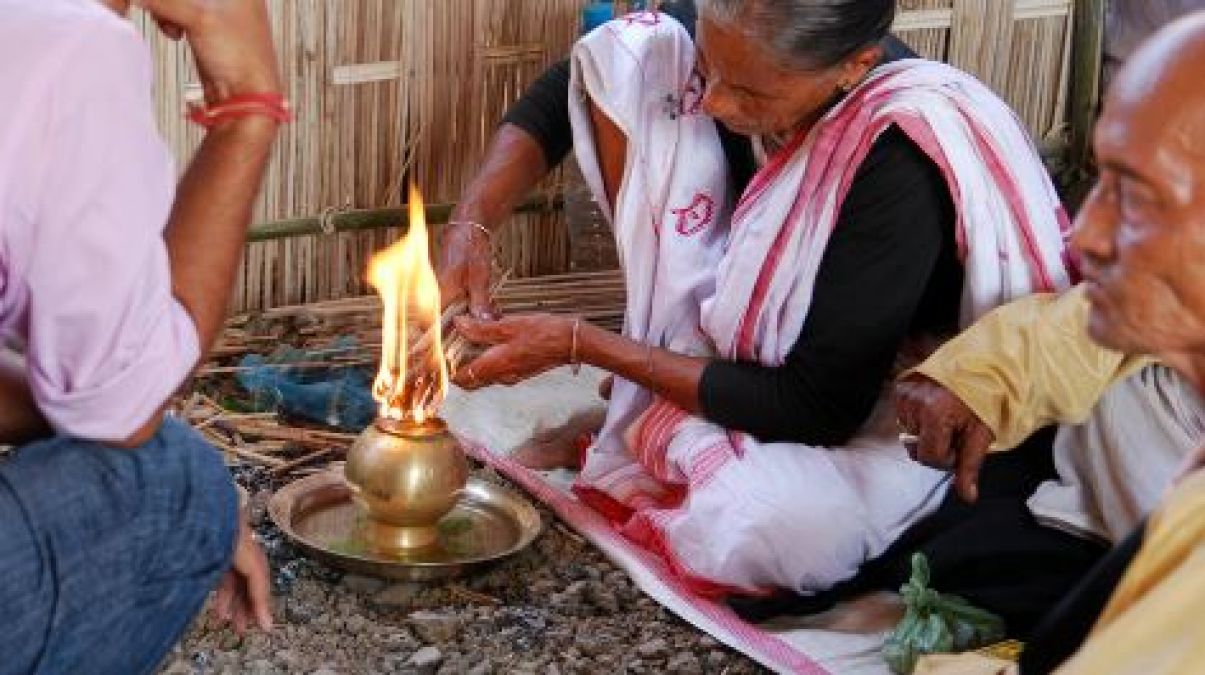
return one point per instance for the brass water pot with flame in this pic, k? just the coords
(406, 476)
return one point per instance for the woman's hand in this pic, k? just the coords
(519, 347)
(465, 260)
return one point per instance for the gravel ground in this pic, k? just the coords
(558, 607)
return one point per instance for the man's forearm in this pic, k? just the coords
(512, 167)
(208, 225)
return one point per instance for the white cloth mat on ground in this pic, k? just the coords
(500, 419)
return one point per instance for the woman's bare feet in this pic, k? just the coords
(560, 447)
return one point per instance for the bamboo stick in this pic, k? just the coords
(301, 461)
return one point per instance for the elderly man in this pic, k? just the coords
(1141, 236)
(115, 524)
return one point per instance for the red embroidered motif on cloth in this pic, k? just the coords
(642, 19)
(694, 218)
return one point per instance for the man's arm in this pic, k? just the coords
(208, 228)
(1027, 365)
(126, 289)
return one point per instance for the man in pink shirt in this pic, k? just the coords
(115, 524)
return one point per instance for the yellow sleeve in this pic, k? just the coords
(1029, 364)
(1152, 623)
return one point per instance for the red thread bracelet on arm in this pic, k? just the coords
(275, 106)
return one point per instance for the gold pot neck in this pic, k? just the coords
(411, 429)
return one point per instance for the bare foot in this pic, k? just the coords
(560, 447)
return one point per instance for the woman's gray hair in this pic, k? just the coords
(808, 34)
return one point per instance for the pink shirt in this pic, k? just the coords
(86, 185)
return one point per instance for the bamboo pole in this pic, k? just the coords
(1088, 57)
(377, 219)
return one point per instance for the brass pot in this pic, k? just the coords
(406, 477)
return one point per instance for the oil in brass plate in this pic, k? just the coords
(406, 477)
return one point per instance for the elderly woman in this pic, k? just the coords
(890, 199)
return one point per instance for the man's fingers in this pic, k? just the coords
(181, 14)
(171, 30)
(224, 599)
(259, 589)
(933, 448)
(976, 441)
(240, 619)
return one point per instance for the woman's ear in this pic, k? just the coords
(857, 67)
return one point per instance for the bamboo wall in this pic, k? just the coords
(384, 89)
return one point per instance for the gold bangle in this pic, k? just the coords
(575, 366)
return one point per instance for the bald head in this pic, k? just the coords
(1141, 234)
(1160, 94)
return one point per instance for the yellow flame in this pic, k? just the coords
(413, 377)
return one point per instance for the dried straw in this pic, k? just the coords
(387, 89)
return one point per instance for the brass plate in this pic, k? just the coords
(490, 523)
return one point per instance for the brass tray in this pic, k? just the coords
(490, 523)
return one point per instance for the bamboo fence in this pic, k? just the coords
(387, 90)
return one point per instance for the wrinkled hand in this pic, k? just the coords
(465, 261)
(231, 41)
(951, 436)
(520, 347)
(244, 594)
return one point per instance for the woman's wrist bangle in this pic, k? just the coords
(489, 236)
(575, 365)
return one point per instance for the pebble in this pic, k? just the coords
(435, 627)
(484, 667)
(297, 611)
(653, 648)
(602, 598)
(588, 645)
(262, 667)
(684, 662)
(426, 659)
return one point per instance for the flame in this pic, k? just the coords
(413, 377)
